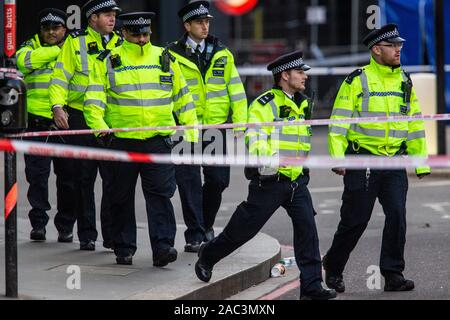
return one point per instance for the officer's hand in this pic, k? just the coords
(60, 117)
(339, 171)
(239, 134)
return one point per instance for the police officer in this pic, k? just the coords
(381, 88)
(67, 89)
(216, 87)
(271, 188)
(36, 60)
(141, 85)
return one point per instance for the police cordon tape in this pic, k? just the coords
(316, 122)
(319, 162)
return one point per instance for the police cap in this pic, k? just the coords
(293, 60)
(137, 22)
(388, 33)
(195, 10)
(96, 6)
(52, 16)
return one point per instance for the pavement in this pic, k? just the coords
(49, 270)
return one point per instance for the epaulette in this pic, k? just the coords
(265, 99)
(116, 61)
(353, 75)
(102, 56)
(78, 33)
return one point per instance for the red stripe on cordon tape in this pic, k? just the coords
(10, 201)
(6, 145)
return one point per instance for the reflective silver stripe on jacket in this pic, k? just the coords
(238, 97)
(192, 82)
(181, 93)
(111, 74)
(338, 130)
(195, 97)
(379, 133)
(275, 111)
(365, 93)
(416, 135)
(188, 107)
(217, 94)
(77, 88)
(141, 86)
(38, 85)
(342, 112)
(235, 80)
(40, 72)
(292, 153)
(99, 103)
(59, 82)
(28, 64)
(84, 56)
(140, 102)
(216, 81)
(95, 88)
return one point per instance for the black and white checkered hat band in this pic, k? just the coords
(387, 35)
(138, 22)
(287, 66)
(106, 4)
(197, 12)
(52, 18)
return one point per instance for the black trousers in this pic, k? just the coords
(200, 204)
(37, 172)
(158, 185)
(84, 182)
(251, 215)
(358, 199)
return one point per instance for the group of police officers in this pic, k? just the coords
(97, 78)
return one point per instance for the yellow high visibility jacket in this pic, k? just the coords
(71, 74)
(378, 90)
(36, 61)
(219, 88)
(129, 89)
(288, 141)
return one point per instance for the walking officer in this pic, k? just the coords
(67, 90)
(271, 188)
(217, 89)
(36, 60)
(141, 85)
(381, 88)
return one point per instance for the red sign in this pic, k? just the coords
(235, 7)
(10, 27)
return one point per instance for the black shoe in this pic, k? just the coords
(192, 246)
(65, 237)
(333, 281)
(108, 244)
(87, 245)
(209, 234)
(163, 258)
(38, 234)
(397, 282)
(125, 260)
(203, 271)
(322, 294)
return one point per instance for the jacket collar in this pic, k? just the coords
(137, 50)
(384, 70)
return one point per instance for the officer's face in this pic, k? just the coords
(53, 35)
(136, 38)
(296, 80)
(389, 54)
(103, 22)
(198, 29)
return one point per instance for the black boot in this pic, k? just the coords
(333, 281)
(396, 282)
(202, 270)
(38, 234)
